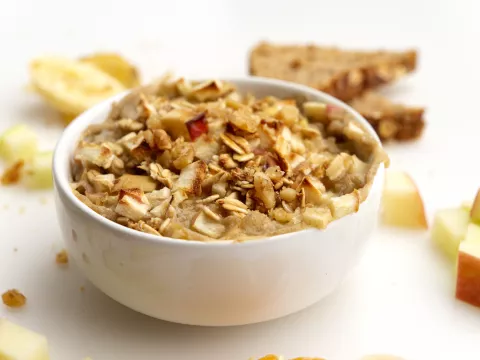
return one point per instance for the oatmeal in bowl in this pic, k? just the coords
(218, 203)
(202, 161)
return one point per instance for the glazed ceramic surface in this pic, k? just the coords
(212, 284)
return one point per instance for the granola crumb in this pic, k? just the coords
(62, 257)
(43, 200)
(14, 298)
(21, 210)
(13, 174)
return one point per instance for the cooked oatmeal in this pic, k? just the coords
(200, 161)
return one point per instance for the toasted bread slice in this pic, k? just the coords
(343, 74)
(390, 120)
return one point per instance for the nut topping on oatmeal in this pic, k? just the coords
(199, 161)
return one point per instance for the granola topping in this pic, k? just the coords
(200, 161)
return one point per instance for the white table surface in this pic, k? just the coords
(400, 299)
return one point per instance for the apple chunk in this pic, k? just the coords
(449, 230)
(468, 273)
(402, 202)
(473, 233)
(475, 211)
(18, 343)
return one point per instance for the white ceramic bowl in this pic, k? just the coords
(212, 284)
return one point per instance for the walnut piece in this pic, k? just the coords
(62, 257)
(14, 298)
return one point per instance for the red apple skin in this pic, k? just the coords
(468, 279)
(197, 126)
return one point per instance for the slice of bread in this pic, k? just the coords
(390, 120)
(349, 76)
(343, 74)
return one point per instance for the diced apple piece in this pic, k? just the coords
(475, 211)
(174, 123)
(402, 202)
(38, 171)
(18, 343)
(449, 230)
(473, 233)
(197, 126)
(468, 273)
(18, 143)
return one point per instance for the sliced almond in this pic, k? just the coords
(211, 214)
(231, 144)
(243, 158)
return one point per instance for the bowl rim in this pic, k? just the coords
(62, 154)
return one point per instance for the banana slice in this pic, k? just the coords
(116, 66)
(71, 86)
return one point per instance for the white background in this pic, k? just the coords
(400, 299)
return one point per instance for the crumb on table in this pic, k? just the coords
(14, 298)
(13, 174)
(62, 257)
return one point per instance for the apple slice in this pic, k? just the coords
(475, 211)
(18, 343)
(468, 273)
(449, 230)
(402, 202)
